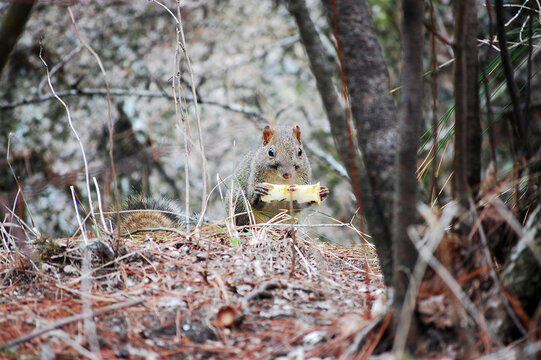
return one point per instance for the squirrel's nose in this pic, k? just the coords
(286, 176)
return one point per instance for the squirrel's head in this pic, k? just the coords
(283, 156)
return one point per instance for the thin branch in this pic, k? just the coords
(527, 101)
(435, 129)
(241, 109)
(520, 141)
(520, 8)
(82, 92)
(65, 59)
(490, 115)
(431, 27)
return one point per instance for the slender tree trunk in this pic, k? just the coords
(410, 117)
(321, 67)
(474, 138)
(467, 122)
(517, 123)
(467, 161)
(12, 27)
(373, 113)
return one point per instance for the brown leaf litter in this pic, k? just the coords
(168, 295)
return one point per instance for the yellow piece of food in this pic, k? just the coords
(299, 193)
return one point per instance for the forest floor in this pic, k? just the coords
(164, 294)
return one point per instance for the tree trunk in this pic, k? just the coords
(467, 146)
(336, 113)
(467, 122)
(12, 27)
(344, 140)
(410, 116)
(374, 116)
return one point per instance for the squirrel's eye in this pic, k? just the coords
(271, 152)
(299, 152)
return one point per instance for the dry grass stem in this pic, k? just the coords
(109, 115)
(19, 195)
(102, 217)
(72, 127)
(166, 9)
(196, 109)
(76, 207)
(182, 120)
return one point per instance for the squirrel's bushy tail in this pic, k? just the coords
(140, 212)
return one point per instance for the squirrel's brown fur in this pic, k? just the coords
(279, 159)
(139, 212)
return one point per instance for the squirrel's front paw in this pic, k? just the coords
(259, 191)
(323, 192)
(262, 190)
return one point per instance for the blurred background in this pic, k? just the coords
(249, 69)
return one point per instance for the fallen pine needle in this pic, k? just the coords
(70, 319)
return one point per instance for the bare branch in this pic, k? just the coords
(241, 109)
(520, 139)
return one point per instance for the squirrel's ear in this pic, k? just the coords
(297, 132)
(268, 132)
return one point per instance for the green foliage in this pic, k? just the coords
(500, 103)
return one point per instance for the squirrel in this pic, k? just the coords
(279, 159)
